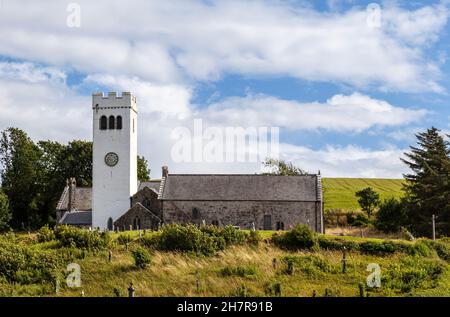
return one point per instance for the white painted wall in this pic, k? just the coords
(113, 186)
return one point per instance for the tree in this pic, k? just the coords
(368, 199)
(60, 162)
(5, 212)
(392, 215)
(280, 167)
(143, 172)
(21, 173)
(427, 188)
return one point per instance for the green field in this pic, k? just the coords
(339, 193)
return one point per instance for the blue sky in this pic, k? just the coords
(347, 95)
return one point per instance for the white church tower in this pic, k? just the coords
(114, 157)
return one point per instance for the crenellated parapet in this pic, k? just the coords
(113, 100)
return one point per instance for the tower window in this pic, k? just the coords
(103, 123)
(112, 123)
(119, 123)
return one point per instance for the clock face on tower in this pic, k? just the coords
(111, 159)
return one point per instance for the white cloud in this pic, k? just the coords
(348, 161)
(179, 41)
(48, 109)
(418, 27)
(352, 113)
(163, 99)
(43, 107)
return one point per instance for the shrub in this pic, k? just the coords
(228, 234)
(254, 238)
(149, 240)
(413, 272)
(332, 292)
(377, 248)
(273, 289)
(337, 244)
(186, 238)
(45, 234)
(12, 259)
(26, 265)
(441, 248)
(300, 237)
(242, 291)
(206, 240)
(241, 271)
(69, 236)
(141, 257)
(392, 215)
(124, 239)
(310, 264)
(361, 220)
(117, 292)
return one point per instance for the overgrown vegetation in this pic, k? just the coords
(204, 240)
(141, 257)
(294, 263)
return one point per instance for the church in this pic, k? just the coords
(118, 201)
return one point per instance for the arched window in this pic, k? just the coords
(136, 223)
(280, 225)
(267, 222)
(195, 213)
(146, 203)
(103, 123)
(110, 224)
(112, 123)
(119, 123)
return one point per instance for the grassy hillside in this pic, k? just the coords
(238, 270)
(339, 193)
(174, 274)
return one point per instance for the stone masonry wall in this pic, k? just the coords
(138, 217)
(244, 213)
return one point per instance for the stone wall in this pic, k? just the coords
(245, 213)
(138, 217)
(149, 199)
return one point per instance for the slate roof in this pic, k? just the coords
(83, 199)
(150, 184)
(77, 218)
(138, 207)
(83, 196)
(235, 187)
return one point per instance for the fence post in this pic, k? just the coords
(344, 260)
(433, 220)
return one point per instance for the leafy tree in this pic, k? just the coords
(368, 199)
(5, 212)
(427, 187)
(76, 161)
(21, 173)
(60, 162)
(143, 172)
(280, 167)
(392, 215)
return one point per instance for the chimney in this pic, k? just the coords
(72, 183)
(165, 171)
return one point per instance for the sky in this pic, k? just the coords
(347, 83)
